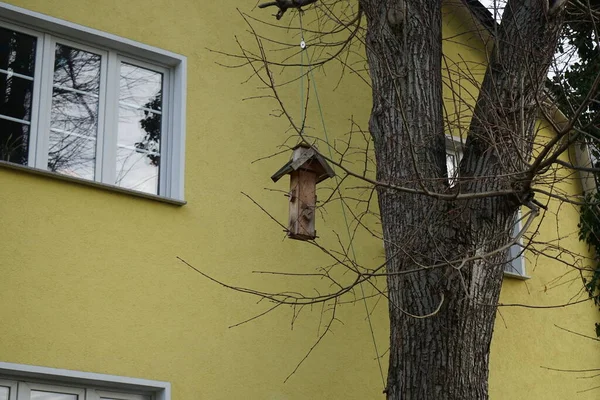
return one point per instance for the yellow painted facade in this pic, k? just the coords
(90, 280)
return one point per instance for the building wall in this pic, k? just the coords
(91, 282)
(527, 340)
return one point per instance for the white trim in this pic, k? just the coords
(117, 395)
(178, 127)
(89, 35)
(88, 182)
(111, 121)
(114, 49)
(160, 389)
(12, 388)
(45, 60)
(515, 267)
(17, 120)
(10, 74)
(40, 387)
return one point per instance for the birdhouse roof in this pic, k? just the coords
(305, 157)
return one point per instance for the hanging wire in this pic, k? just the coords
(311, 75)
(301, 73)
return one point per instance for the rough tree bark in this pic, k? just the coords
(446, 356)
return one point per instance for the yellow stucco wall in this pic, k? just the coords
(90, 279)
(527, 341)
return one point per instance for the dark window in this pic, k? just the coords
(17, 64)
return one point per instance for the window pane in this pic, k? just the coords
(17, 63)
(71, 154)
(452, 166)
(17, 52)
(14, 141)
(74, 115)
(76, 69)
(515, 256)
(39, 395)
(140, 129)
(4, 393)
(16, 98)
(140, 87)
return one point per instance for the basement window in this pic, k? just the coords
(74, 103)
(26, 382)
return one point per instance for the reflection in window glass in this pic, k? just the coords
(17, 52)
(4, 393)
(140, 128)
(39, 395)
(452, 166)
(14, 141)
(74, 115)
(17, 64)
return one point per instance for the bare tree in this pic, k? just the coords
(447, 234)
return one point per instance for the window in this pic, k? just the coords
(89, 110)
(515, 265)
(25, 382)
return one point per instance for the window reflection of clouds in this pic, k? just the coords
(17, 63)
(139, 132)
(39, 395)
(74, 116)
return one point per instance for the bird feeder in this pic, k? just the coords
(306, 169)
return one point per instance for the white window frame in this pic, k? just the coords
(88, 386)
(41, 135)
(50, 30)
(100, 394)
(515, 268)
(12, 388)
(25, 388)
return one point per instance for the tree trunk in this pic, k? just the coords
(442, 318)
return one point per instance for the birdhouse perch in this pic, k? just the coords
(306, 169)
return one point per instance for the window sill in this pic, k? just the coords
(98, 185)
(514, 275)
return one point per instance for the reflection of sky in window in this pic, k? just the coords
(74, 115)
(452, 163)
(496, 7)
(139, 132)
(4, 393)
(39, 395)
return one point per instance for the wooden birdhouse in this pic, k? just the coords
(306, 169)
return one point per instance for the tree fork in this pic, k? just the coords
(446, 355)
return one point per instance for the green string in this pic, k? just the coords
(301, 77)
(312, 77)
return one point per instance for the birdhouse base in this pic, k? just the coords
(299, 236)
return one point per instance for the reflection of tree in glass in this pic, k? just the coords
(75, 93)
(139, 130)
(17, 54)
(151, 123)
